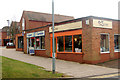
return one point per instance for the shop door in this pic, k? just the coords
(20, 42)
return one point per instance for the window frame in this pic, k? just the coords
(72, 44)
(118, 41)
(65, 43)
(108, 42)
(40, 37)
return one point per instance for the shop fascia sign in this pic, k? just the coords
(68, 26)
(40, 33)
(102, 23)
(35, 34)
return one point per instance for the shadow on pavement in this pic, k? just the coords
(111, 64)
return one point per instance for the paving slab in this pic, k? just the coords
(74, 69)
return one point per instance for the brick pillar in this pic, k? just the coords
(25, 43)
(87, 40)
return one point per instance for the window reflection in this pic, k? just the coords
(77, 43)
(104, 43)
(68, 43)
(60, 44)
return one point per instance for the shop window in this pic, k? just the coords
(116, 43)
(42, 42)
(60, 45)
(32, 42)
(38, 43)
(68, 43)
(77, 43)
(104, 43)
(29, 42)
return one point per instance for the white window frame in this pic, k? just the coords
(114, 48)
(108, 42)
(23, 24)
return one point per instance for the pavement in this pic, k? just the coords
(73, 69)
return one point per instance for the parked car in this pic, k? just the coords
(10, 44)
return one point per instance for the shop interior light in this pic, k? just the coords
(37, 39)
(75, 39)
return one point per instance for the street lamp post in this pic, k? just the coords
(53, 42)
(8, 29)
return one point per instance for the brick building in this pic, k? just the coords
(5, 35)
(85, 40)
(31, 20)
(14, 29)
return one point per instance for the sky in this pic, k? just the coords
(12, 9)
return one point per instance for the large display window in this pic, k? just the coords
(77, 43)
(70, 43)
(104, 43)
(60, 44)
(36, 40)
(116, 43)
(42, 42)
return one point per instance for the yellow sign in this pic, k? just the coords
(102, 23)
(68, 26)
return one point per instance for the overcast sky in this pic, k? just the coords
(12, 9)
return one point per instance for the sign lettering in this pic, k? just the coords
(102, 23)
(35, 34)
(68, 26)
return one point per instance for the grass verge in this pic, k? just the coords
(16, 69)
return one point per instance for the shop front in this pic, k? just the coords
(36, 41)
(88, 40)
(68, 41)
(85, 40)
(19, 42)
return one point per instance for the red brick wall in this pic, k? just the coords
(116, 55)
(19, 49)
(91, 49)
(87, 40)
(70, 57)
(35, 24)
(25, 43)
(41, 53)
(3, 36)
